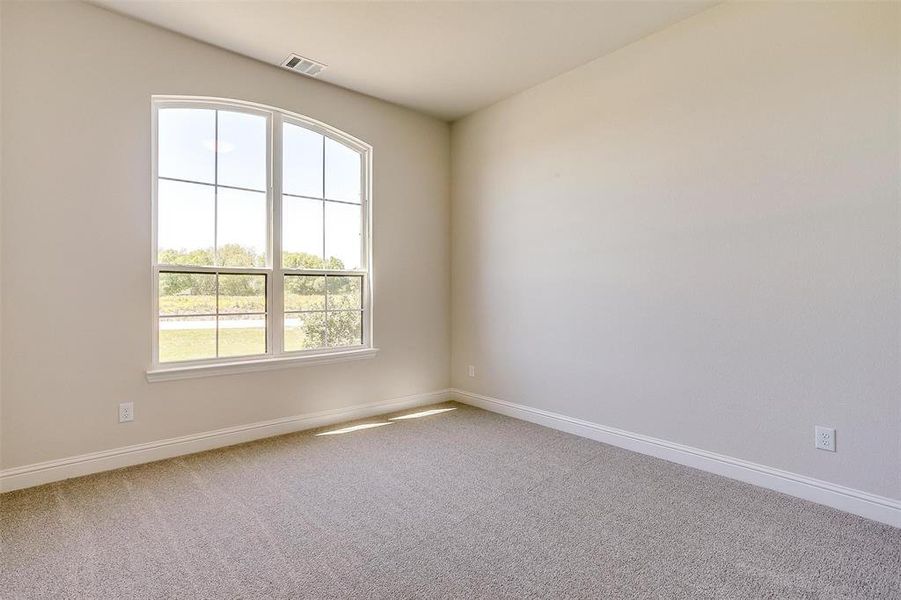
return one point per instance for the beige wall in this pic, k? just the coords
(697, 238)
(77, 82)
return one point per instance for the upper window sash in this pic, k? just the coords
(214, 181)
(275, 119)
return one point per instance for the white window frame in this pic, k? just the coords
(276, 356)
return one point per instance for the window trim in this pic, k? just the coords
(275, 356)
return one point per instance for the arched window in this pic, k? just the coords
(260, 239)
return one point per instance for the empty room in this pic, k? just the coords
(429, 299)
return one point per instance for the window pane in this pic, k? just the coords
(187, 294)
(242, 150)
(304, 331)
(342, 235)
(342, 172)
(302, 233)
(242, 228)
(185, 224)
(345, 292)
(185, 144)
(304, 292)
(345, 328)
(242, 335)
(187, 338)
(242, 293)
(301, 161)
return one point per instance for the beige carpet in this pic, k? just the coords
(461, 504)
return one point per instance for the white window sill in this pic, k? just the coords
(258, 364)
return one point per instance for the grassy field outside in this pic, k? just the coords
(201, 305)
(186, 335)
(302, 332)
(192, 344)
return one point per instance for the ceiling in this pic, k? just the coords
(446, 59)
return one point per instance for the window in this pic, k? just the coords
(261, 245)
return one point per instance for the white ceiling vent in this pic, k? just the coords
(304, 66)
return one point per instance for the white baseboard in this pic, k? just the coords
(105, 460)
(871, 506)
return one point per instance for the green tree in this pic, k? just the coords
(235, 255)
(171, 256)
(344, 329)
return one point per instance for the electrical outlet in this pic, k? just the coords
(825, 438)
(126, 412)
(472, 371)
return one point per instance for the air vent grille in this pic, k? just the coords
(303, 65)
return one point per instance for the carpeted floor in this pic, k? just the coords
(461, 504)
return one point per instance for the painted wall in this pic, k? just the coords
(77, 82)
(697, 238)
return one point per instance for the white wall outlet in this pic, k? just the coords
(126, 412)
(825, 438)
(472, 371)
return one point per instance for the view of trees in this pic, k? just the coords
(235, 255)
(184, 296)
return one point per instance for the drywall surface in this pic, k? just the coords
(696, 238)
(76, 339)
